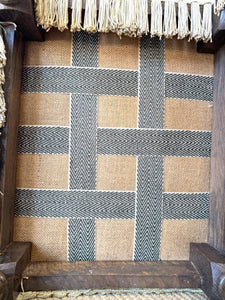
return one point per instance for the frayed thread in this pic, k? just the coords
(196, 22)
(170, 22)
(130, 17)
(182, 28)
(156, 18)
(90, 17)
(76, 17)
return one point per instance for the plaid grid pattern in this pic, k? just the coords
(84, 142)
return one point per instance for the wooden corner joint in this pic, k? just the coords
(211, 265)
(13, 261)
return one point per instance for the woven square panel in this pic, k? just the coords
(114, 147)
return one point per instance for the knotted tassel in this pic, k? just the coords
(49, 14)
(62, 14)
(39, 11)
(142, 18)
(170, 23)
(104, 15)
(207, 23)
(116, 16)
(183, 29)
(90, 17)
(76, 15)
(196, 22)
(128, 21)
(156, 18)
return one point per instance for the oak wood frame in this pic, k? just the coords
(206, 267)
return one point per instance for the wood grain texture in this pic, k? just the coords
(22, 13)
(8, 141)
(13, 261)
(218, 36)
(114, 275)
(211, 266)
(217, 178)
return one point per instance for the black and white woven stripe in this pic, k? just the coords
(185, 205)
(81, 239)
(75, 204)
(82, 204)
(148, 208)
(153, 142)
(85, 49)
(77, 80)
(83, 144)
(40, 139)
(186, 86)
(152, 82)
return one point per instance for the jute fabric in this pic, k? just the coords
(114, 147)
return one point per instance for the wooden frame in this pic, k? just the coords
(206, 267)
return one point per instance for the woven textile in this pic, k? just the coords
(111, 295)
(114, 147)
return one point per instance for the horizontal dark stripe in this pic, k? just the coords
(153, 142)
(187, 86)
(79, 80)
(185, 206)
(75, 204)
(37, 139)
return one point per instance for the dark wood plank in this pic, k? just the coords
(8, 140)
(22, 13)
(13, 261)
(114, 275)
(217, 177)
(218, 36)
(211, 266)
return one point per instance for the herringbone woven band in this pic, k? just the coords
(118, 152)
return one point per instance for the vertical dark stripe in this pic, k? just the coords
(85, 49)
(151, 93)
(81, 236)
(83, 153)
(149, 208)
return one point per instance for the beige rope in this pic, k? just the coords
(150, 294)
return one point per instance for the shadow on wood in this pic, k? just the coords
(13, 261)
(211, 266)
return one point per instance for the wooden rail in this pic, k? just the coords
(109, 275)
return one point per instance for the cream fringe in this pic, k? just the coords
(207, 23)
(104, 16)
(62, 14)
(170, 26)
(76, 15)
(90, 17)
(2, 80)
(182, 28)
(196, 22)
(130, 17)
(156, 18)
(142, 18)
